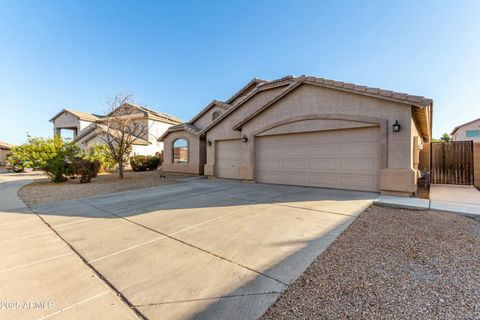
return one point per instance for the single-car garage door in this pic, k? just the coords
(341, 159)
(227, 162)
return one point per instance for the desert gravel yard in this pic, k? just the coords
(44, 191)
(392, 264)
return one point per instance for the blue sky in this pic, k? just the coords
(177, 56)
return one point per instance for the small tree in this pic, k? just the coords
(121, 129)
(100, 153)
(50, 155)
(446, 137)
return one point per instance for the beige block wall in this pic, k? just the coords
(195, 163)
(476, 164)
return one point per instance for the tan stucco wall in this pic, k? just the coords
(223, 131)
(476, 164)
(3, 156)
(205, 119)
(398, 174)
(195, 154)
(461, 133)
(66, 120)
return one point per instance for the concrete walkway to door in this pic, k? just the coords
(455, 198)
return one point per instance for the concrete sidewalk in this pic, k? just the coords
(40, 276)
(464, 200)
(455, 198)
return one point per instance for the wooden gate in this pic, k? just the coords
(452, 162)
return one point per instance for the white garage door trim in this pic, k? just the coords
(227, 159)
(340, 159)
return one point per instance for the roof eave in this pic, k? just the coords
(335, 85)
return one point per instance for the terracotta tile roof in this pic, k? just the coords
(418, 101)
(255, 81)
(405, 98)
(264, 85)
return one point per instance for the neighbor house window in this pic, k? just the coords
(473, 133)
(216, 114)
(180, 151)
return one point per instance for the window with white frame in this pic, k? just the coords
(473, 133)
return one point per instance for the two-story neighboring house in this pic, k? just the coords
(89, 129)
(469, 131)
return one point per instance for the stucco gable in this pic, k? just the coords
(214, 104)
(465, 124)
(259, 88)
(78, 114)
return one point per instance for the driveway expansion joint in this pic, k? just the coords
(107, 283)
(187, 244)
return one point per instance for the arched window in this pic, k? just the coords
(215, 115)
(180, 151)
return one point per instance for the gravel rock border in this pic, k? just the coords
(392, 264)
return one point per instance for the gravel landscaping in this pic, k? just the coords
(392, 264)
(45, 191)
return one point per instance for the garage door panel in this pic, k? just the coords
(324, 180)
(271, 176)
(296, 179)
(294, 152)
(228, 159)
(359, 166)
(343, 159)
(294, 164)
(324, 151)
(362, 150)
(367, 183)
(326, 165)
(273, 164)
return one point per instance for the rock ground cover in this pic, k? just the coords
(392, 264)
(44, 191)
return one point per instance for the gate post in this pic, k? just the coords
(476, 164)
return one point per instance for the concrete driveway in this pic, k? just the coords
(203, 249)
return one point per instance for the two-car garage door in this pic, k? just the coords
(342, 159)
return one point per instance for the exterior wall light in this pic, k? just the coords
(209, 143)
(244, 139)
(396, 126)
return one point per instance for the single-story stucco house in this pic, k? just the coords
(469, 131)
(307, 131)
(5, 150)
(89, 129)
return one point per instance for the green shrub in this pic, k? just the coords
(144, 163)
(86, 169)
(51, 155)
(57, 168)
(100, 153)
(153, 163)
